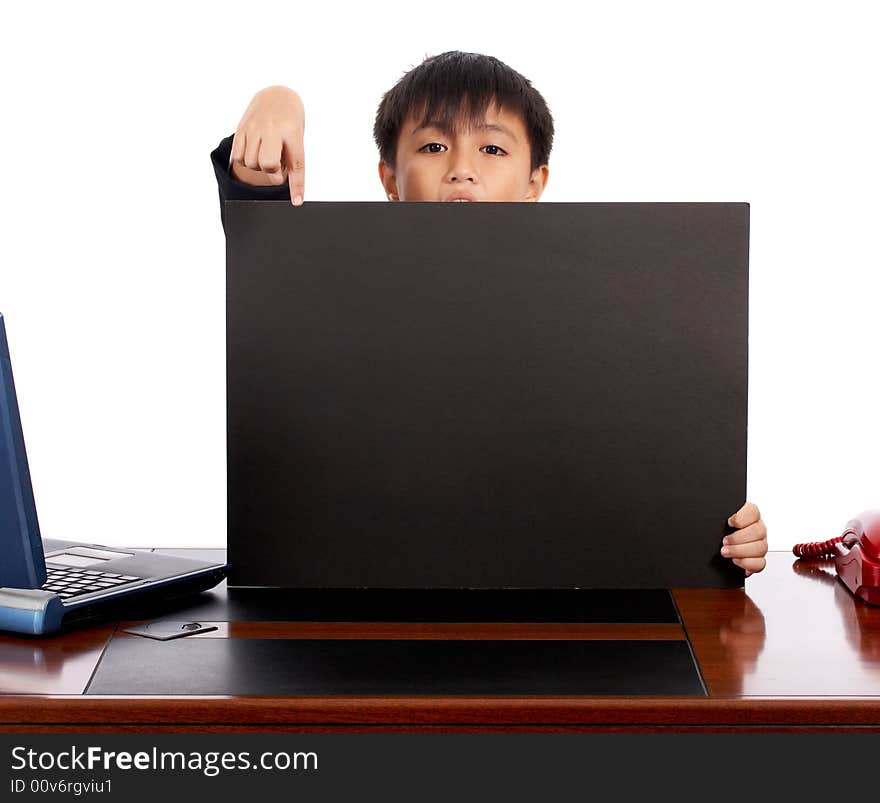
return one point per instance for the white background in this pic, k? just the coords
(112, 266)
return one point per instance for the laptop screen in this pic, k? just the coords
(21, 550)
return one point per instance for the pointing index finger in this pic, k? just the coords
(296, 168)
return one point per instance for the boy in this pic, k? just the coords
(459, 127)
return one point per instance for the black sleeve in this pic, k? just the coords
(233, 190)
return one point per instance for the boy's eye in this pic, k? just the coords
(432, 144)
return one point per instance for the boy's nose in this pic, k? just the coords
(461, 172)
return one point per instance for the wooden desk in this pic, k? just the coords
(794, 652)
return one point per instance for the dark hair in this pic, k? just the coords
(441, 85)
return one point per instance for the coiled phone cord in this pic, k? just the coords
(818, 549)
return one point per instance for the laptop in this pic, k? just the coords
(48, 585)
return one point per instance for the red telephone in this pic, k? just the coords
(856, 554)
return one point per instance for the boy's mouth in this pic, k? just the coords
(460, 197)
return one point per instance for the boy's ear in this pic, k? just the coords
(389, 180)
(538, 182)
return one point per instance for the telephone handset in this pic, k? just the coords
(856, 554)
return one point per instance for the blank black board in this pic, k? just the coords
(489, 395)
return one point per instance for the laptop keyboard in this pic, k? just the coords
(70, 582)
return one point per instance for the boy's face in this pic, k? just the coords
(488, 164)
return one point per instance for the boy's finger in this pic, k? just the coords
(753, 549)
(754, 532)
(270, 159)
(296, 170)
(746, 515)
(252, 153)
(238, 143)
(751, 565)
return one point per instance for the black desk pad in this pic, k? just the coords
(607, 606)
(362, 667)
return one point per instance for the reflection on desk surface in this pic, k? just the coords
(861, 622)
(58, 665)
(794, 631)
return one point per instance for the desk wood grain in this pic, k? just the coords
(794, 651)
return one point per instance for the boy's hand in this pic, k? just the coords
(748, 545)
(268, 144)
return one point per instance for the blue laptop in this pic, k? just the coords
(47, 585)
